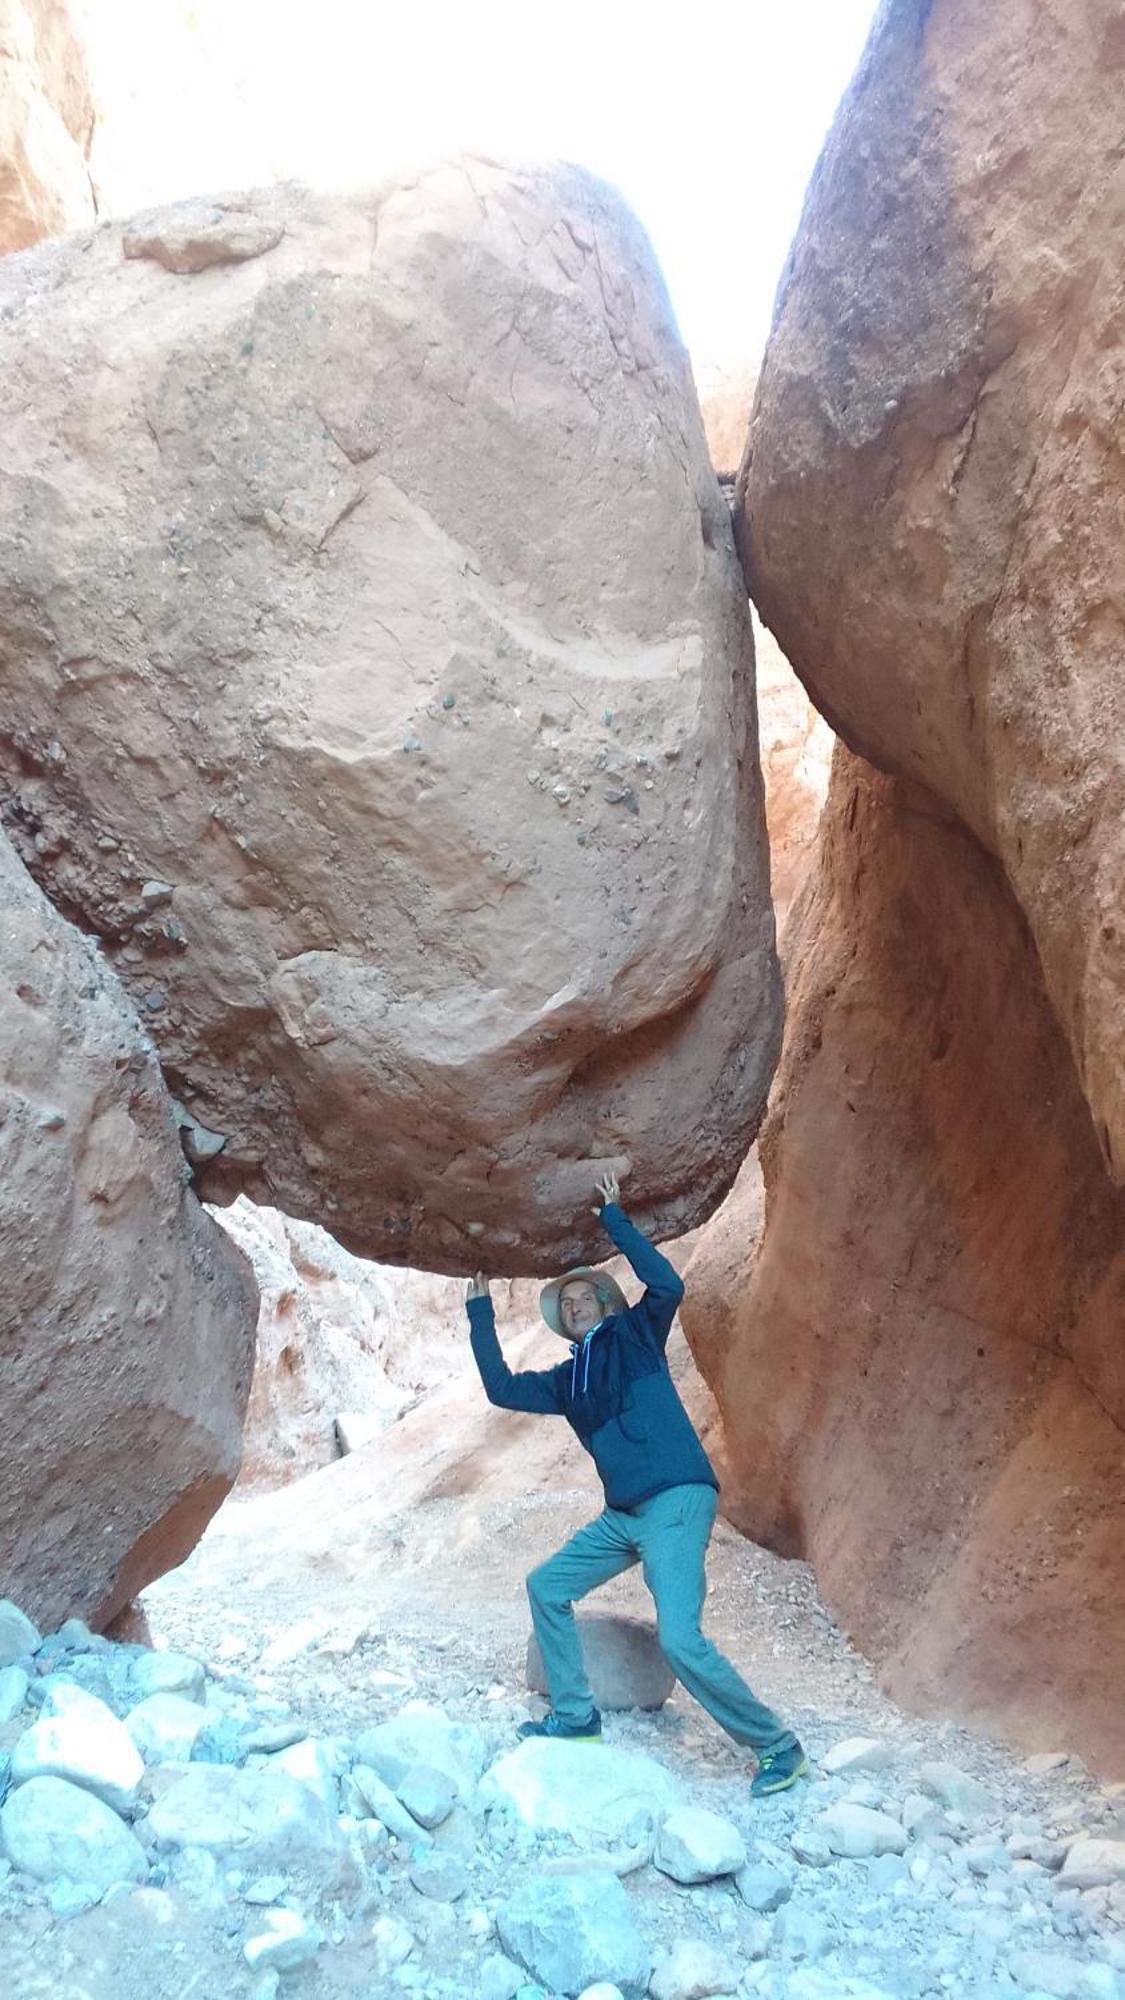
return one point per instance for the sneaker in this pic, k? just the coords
(777, 1770)
(569, 1732)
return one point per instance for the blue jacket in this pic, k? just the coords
(615, 1391)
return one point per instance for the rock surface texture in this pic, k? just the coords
(920, 1370)
(46, 123)
(376, 681)
(128, 1315)
(933, 502)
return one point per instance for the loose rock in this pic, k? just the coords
(571, 1931)
(694, 1845)
(50, 1828)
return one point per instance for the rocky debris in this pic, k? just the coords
(46, 123)
(1093, 1864)
(165, 1727)
(278, 1860)
(692, 1971)
(275, 492)
(903, 941)
(572, 1931)
(122, 1432)
(421, 1733)
(624, 1663)
(592, 1792)
(694, 1845)
(923, 416)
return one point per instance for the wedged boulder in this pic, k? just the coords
(129, 1316)
(376, 680)
(920, 1369)
(625, 1665)
(46, 123)
(933, 501)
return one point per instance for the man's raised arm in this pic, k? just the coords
(653, 1314)
(535, 1390)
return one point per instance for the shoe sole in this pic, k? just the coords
(783, 1784)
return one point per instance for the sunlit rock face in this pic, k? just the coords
(128, 1321)
(376, 681)
(46, 122)
(933, 505)
(917, 1354)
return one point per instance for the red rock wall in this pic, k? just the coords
(921, 1371)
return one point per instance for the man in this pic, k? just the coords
(661, 1493)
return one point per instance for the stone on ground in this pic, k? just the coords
(624, 1663)
(14, 1684)
(379, 1799)
(260, 1818)
(499, 1978)
(165, 1727)
(572, 1930)
(391, 1944)
(857, 1832)
(857, 1753)
(49, 1828)
(288, 1940)
(169, 1673)
(422, 1733)
(591, 1791)
(87, 1746)
(761, 1887)
(440, 1877)
(18, 1636)
(957, 1790)
(695, 1845)
(429, 1795)
(692, 1971)
(1093, 1863)
(314, 1762)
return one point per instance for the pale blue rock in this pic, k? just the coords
(49, 1828)
(571, 1931)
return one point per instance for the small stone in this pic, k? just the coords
(50, 1828)
(18, 1636)
(428, 1795)
(856, 1831)
(761, 1887)
(439, 1877)
(86, 1745)
(265, 1889)
(1045, 1761)
(885, 1870)
(958, 1791)
(602, 1991)
(811, 1847)
(692, 1971)
(499, 1978)
(288, 1940)
(391, 1944)
(313, 1762)
(802, 1933)
(1093, 1863)
(570, 1931)
(274, 1736)
(421, 1733)
(857, 1753)
(381, 1801)
(164, 1727)
(70, 1899)
(169, 1673)
(14, 1685)
(154, 893)
(695, 1845)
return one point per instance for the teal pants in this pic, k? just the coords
(668, 1535)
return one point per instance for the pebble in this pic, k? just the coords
(287, 1942)
(695, 1845)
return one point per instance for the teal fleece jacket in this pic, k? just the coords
(615, 1390)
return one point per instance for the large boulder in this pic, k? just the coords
(920, 1367)
(933, 503)
(46, 123)
(377, 683)
(128, 1314)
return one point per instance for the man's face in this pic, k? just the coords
(579, 1307)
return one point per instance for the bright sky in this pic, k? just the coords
(710, 127)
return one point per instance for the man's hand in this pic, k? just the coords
(477, 1288)
(610, 1190)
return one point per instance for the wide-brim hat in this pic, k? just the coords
(610, 1295)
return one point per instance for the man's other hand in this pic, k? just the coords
(610, 1190)
(477, 1288)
